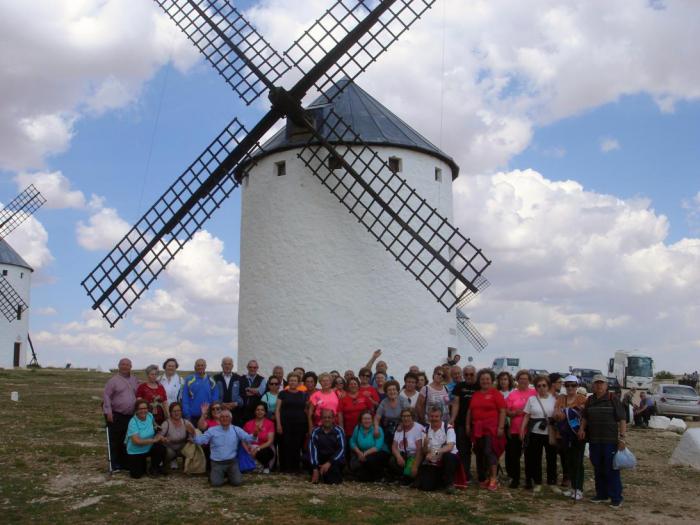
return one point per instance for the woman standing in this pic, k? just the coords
(142, 442)
(339, 386)
(388, 414)
(326, 398)
(274, 384)
(154, 394)
(515, 410)
(175, 431)
(352, 405)
(505, 383)
(410, 392)
(567, 413)
(379, 382)
(171, 381)
(434, 395)
(263, 431)
(366, 389)
(290, 417)
(535, 427)
(369, 451)
(486, 420)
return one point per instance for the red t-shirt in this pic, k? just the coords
(154, 397)
(371, 392)
(484, 408)
(351, 407)
(260, 435)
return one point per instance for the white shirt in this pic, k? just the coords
(438, 438)
(172, 387)
(415, 434)
(533, 408)
(410, 400)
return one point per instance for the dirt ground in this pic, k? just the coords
(53, 469)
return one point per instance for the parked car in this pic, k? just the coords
(614, 386)
(585, 376)
(676, 400)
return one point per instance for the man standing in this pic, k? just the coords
(461, 397)
(228, 384)
(604, 424)
(223, 442)
(278, 372)
(118, 403)
(327, 450)
(381, 367)
(252, 388)
(199, 389)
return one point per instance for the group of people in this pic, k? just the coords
(421, 431)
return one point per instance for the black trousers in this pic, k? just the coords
(291, 443)
(117, 433)
(334, 475)
(514, 449)
(464, 446)
(551, 453)
(264, 456)
(537, 443)
(138, 462)
(372, 468)
(432, 477)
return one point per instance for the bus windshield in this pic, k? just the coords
(513, 362)
(640, 366)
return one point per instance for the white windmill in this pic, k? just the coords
(15, 283)
(328, 202)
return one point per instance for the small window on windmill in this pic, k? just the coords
(4, 273)
(438, 175)
(21, 275)
(333, 163)
(395, 164)
(280, 168)
(19, 312)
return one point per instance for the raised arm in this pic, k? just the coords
(375, 356)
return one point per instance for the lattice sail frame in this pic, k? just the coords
(465, 260)
(317, 41)
(470, 332)
(121, 298)
(11, 303)
(214, 43)
(20, 209)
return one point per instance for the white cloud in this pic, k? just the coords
(578, 271)
(31, 240)
(692, 209)
(102, 231)
(54, 186)
(62, 60)
(47, 311)
(609, 144)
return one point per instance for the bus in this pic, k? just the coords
(632, 369)
(507, 364)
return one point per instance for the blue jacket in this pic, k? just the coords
(198, 390)
(327, 446)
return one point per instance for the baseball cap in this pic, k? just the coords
(599, 377)
(571, 379)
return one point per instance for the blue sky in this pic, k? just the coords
(127, 144)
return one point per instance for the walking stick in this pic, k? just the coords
(109, 449)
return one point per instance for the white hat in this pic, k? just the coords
(571, 379)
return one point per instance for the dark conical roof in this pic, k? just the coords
(9, 256)
(372, 121)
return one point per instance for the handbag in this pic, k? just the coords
(551, 431)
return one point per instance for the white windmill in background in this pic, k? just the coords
(15, 283)
(344, 192)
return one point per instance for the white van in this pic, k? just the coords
(507, 364)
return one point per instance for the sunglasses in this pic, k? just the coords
(543, 385)
(365, 375)
(570, 385)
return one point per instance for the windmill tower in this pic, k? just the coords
(379, 176)
(15, 283)
(315, 289)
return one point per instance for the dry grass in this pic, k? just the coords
(53, 470)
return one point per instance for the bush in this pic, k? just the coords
(664, 374)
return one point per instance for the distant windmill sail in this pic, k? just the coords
(20, 209)
(11, 304)
(343, 43)
(470, 332)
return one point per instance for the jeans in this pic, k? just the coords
(222, 469)
(608, 483)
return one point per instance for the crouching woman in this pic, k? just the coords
(406, 449)
(143, 443)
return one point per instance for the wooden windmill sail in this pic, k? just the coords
(340, 45)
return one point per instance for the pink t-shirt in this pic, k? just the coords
(261, 435)
(321, 401)
(516, 400)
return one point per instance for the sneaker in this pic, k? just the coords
(599, 500)
(266, 470)
(173, 464)
(578, 495)
(568, 493)
(537, 489)
(616, 505)
(492, 486)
